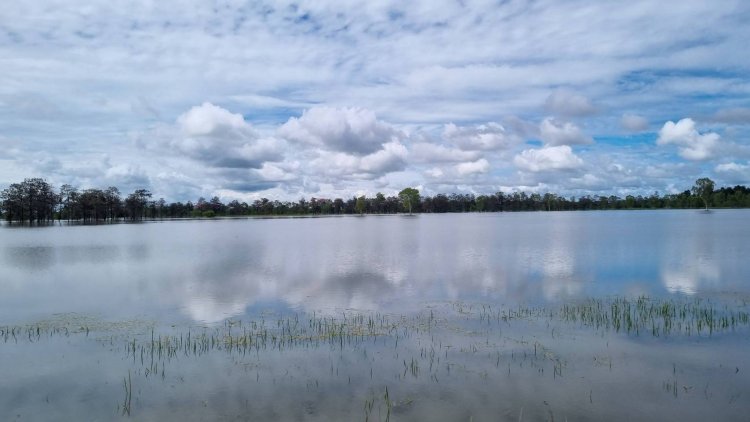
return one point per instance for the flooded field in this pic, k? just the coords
(533, 316)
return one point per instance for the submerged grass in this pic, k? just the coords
(69, 324)
(657, 317)
(441, 343)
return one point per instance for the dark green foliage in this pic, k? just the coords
(360, 205)
(704, 189)
(410, 198)
(136, 204)
(34, 200)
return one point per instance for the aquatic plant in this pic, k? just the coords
(655, 316)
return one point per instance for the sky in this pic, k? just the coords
(328, 99)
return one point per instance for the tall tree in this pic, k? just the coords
(31, 200)
(703, 188)
(136, 203)
(93, 204)
(13, 203)
(68, 200)
(113, 201)
(217, 206)
(379, 203)
(359, 207)
(410, 198)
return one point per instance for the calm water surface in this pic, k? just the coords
(441, 288)
(210, 270)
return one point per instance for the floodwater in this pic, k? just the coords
(512, 316)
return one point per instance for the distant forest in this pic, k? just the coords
(35, 200)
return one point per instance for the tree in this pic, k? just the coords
(410, 198)
(338, 206)
(217, 206)
(359, 207)
(703, 188)
(31, 200)
(68, 200)
(113, 201)
(93, 203)
(379, 203)
(136, 203)
(13, 203)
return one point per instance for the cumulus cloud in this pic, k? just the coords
(633, 122)
(392, 157)
(548, 158)
(434, 153)
(210, 120)
(555, 133)
(569, 104)
(486, 137)
(734, 172)
(350, 129)
(274, 172)
(214, 135)
(691, 144)
(473, 167)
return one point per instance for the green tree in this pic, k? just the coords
(136, 203)
(703, 188)
(410, 198)
(360, 205)
(549, 200)
(93, 204)
(481, 203)
(31, 200)
(379, 203)
(217, 206)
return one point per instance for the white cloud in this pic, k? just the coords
(633, 122)
(434, 172)
(434, 153)
(734, 172)
(277, 173)
(691, 144)
(555, 133)
(486, 137)
(341, 165)
(473, 167)
(210, 120)
(219, 138)
(350, 129)
(569, 104)
(391, 158)
(732, 167)
(548, 158)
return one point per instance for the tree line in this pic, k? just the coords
(35, 200)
